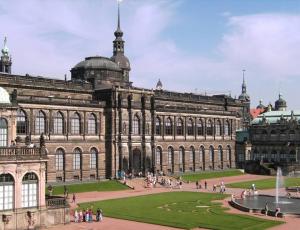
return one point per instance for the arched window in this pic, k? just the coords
(202, 154)
(158, 156)
(157, 126)
(7, 185)
(136, 125)
(40, 121)
(200, 128)
(168, 126)
(58, 123)
(93, 158)
(179, 127)
(220, 153)
(209, 128)
(92, 124)
(226, 128)
(21, 122)
(218, 128)
(59, 160)
(3, 132)
(77, 159)
(75, 124)
(190, 127)
(211, 154)
(170, 156)
(30, 190)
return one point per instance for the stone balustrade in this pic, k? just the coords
(22, 153)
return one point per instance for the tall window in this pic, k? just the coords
(200, 128)
(220, 153)
(209, 128)
(92, 124)
(75, 124)
(58, 123)
(181, 155)
(136, 125)
(3, 132)
(59, 160)
(190, 127)
(30, 190)
(170, 156)
(6, 192)
(179, 127)
(168, 126)
(229, 153)
(192, 154)
(40, 121)
(77, 159)
(226, 128)
(93, 158)
(21, 122)
(202, 153)
(157, 126)
(211, 154)
(218, 128)
(158, 156)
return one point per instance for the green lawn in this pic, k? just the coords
(88, 187)
(185, 210)
(265, 183)
(208, 175)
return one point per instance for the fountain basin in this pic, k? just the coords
(257, 203)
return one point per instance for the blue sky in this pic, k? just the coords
(191, 45)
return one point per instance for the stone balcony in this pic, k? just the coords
(22, 153)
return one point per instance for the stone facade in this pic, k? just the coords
(98, 123)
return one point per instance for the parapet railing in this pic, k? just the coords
(18, 153)
(56, 202)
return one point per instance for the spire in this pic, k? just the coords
(244, 87)
(119, 32)
(118, 47)
(244, 96)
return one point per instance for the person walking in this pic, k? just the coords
(197, 185)
(74, 198)
(205, 184)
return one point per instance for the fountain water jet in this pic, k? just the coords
(279, 183)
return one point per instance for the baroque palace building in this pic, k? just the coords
(98, 123)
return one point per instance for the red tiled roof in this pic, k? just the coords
(255, 112)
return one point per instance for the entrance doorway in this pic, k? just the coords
(136, 166)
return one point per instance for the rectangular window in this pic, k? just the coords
(6, 197)
(93, 161)
(59, 162)
(76, 161)
(3, 137)
(29, 195)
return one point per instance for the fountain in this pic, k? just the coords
(257, 202)
(279, 184)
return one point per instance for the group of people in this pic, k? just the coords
(87, 216)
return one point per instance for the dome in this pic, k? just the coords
(260, 105)
(280, 103)
(4, 96)
(121, 60)
(159, 85)
(97, 62)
